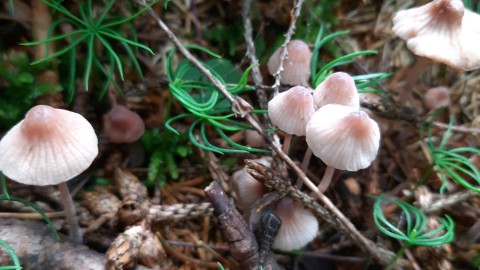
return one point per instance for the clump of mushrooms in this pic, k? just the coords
(49, 147)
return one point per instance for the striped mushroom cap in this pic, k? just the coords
(343, 138)
(299, 225)
(291, 110)
(296, 67)
(48, 147)
(338, 88)
(442, 30)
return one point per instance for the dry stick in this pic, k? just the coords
(284, 53)
(256, 74)
(450, 200)
(242, 108)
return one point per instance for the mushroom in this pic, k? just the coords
(122, 125)
(343, 138)
(49, 147)
(338, 88)
(299, 225)
(443, 31)
(254, 139)
(296, 67)
(290, 111)
(437, 97)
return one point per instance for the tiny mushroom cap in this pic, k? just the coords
(338, 88)
(254, 139)
(296, 67)
(122, 125)
(437, 97)
(247, 188)
(291, 110)
(343, 138)
(442, 30)
(48, 147)
(299, 225)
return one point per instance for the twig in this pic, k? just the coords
(244, 247)
(284, 54)
(473, 131)
(256, 75)
(450, 200)
(242, 108)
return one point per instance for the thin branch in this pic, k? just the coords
(473, 131)
(256, 75)
(284, 54)
(450, 200)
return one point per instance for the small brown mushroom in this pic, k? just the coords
(122, 125)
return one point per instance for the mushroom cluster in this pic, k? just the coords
(336, 131)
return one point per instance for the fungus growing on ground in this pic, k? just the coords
(254, 139)
(437, 97)
(338, 88)
(290, 111)
(49, 147)
(343, 138)
(122, 125)
(296, 67)
(299, 225)
(443, 31)
(248, 189)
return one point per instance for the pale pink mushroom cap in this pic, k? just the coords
(296, 67)
(122, 125)
(48, 147)
(247, 188)
(291, 110)
(438, 97)
(299, 225)
(442, 30)
(343, 138)
(254, 139)
(338, 88)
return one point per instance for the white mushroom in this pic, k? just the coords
(442, 30)
(338, 88)
(49, 147)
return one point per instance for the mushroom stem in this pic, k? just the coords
(327, 178)
(304, 166)
(74, 234)
(412, 78)
(286, 143)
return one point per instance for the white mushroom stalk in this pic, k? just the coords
(49, 147)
